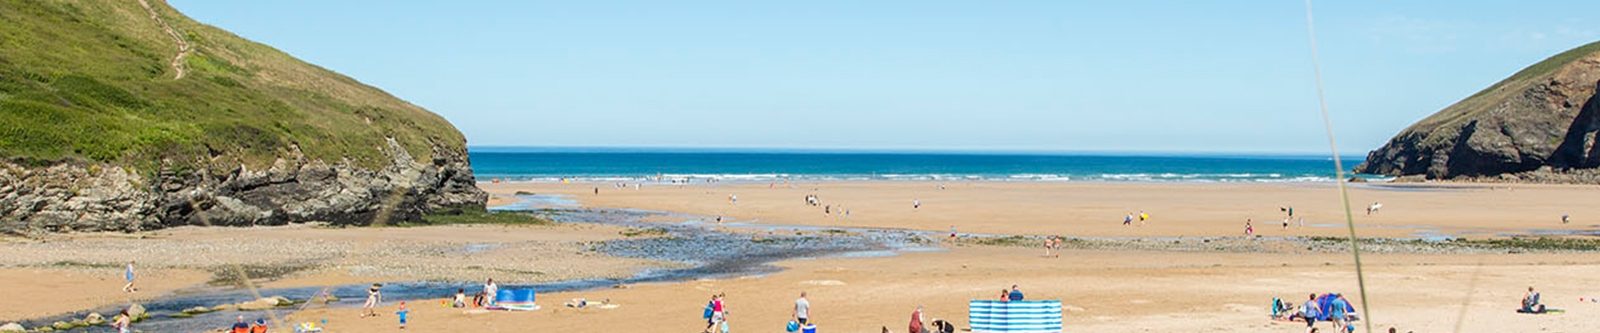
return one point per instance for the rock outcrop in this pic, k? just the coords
(97, 197)
(1539, 124)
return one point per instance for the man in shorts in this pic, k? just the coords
(1310, 311)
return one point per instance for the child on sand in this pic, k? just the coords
(123, 322)
(128, 276)
(461, 298)
(402, 314)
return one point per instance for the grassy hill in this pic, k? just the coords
(96, 81)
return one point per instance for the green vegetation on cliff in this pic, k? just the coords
(97, 81)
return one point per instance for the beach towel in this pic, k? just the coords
(1015, 316)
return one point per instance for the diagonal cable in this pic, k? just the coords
(1338, 165)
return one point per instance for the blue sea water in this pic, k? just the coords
(622, 165)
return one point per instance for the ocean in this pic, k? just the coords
(748, 165)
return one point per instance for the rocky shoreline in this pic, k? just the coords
(77, 197)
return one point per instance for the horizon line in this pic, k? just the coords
(891, 150)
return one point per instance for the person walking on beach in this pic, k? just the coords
(491, 292)
(1142, 217)
(802, 309)
(916, 203)
(1056, 245)
(719, 312)
(127, 275)
(952, 233)
(733, 199)
(1310, 311)
(1248, 229)
(1338, 312)
(1127, 220)
(402, 313)
(123, 322)
(373, 298)
(1566, 219)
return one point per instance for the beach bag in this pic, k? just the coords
(724, 327)
(792, 327)
(707, 314)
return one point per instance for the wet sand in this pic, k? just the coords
(83, 271)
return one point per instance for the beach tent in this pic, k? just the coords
(1015, 316)
(1326, 303)
(515, 299)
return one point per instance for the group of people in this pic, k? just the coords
(1127, 220)
(801, 317)
(241, 326)
(1337, 311)
(1052, 246)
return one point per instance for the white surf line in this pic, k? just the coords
(183, 45)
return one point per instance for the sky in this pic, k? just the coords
(1106, 76)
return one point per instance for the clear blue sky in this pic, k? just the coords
(1168, 76)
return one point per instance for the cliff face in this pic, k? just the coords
(1538, 124)
(126, 115)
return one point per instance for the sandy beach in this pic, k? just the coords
(84, 271)
(1097, 209)
(1105, 291)
(1223, 284)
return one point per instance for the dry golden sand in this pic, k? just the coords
(1097, 209)
(1104, 292)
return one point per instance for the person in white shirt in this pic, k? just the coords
(802, 309)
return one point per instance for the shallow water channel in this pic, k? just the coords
(707, 250)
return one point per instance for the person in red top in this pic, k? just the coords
(259, 327)
(240, 326)
(916, 321)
